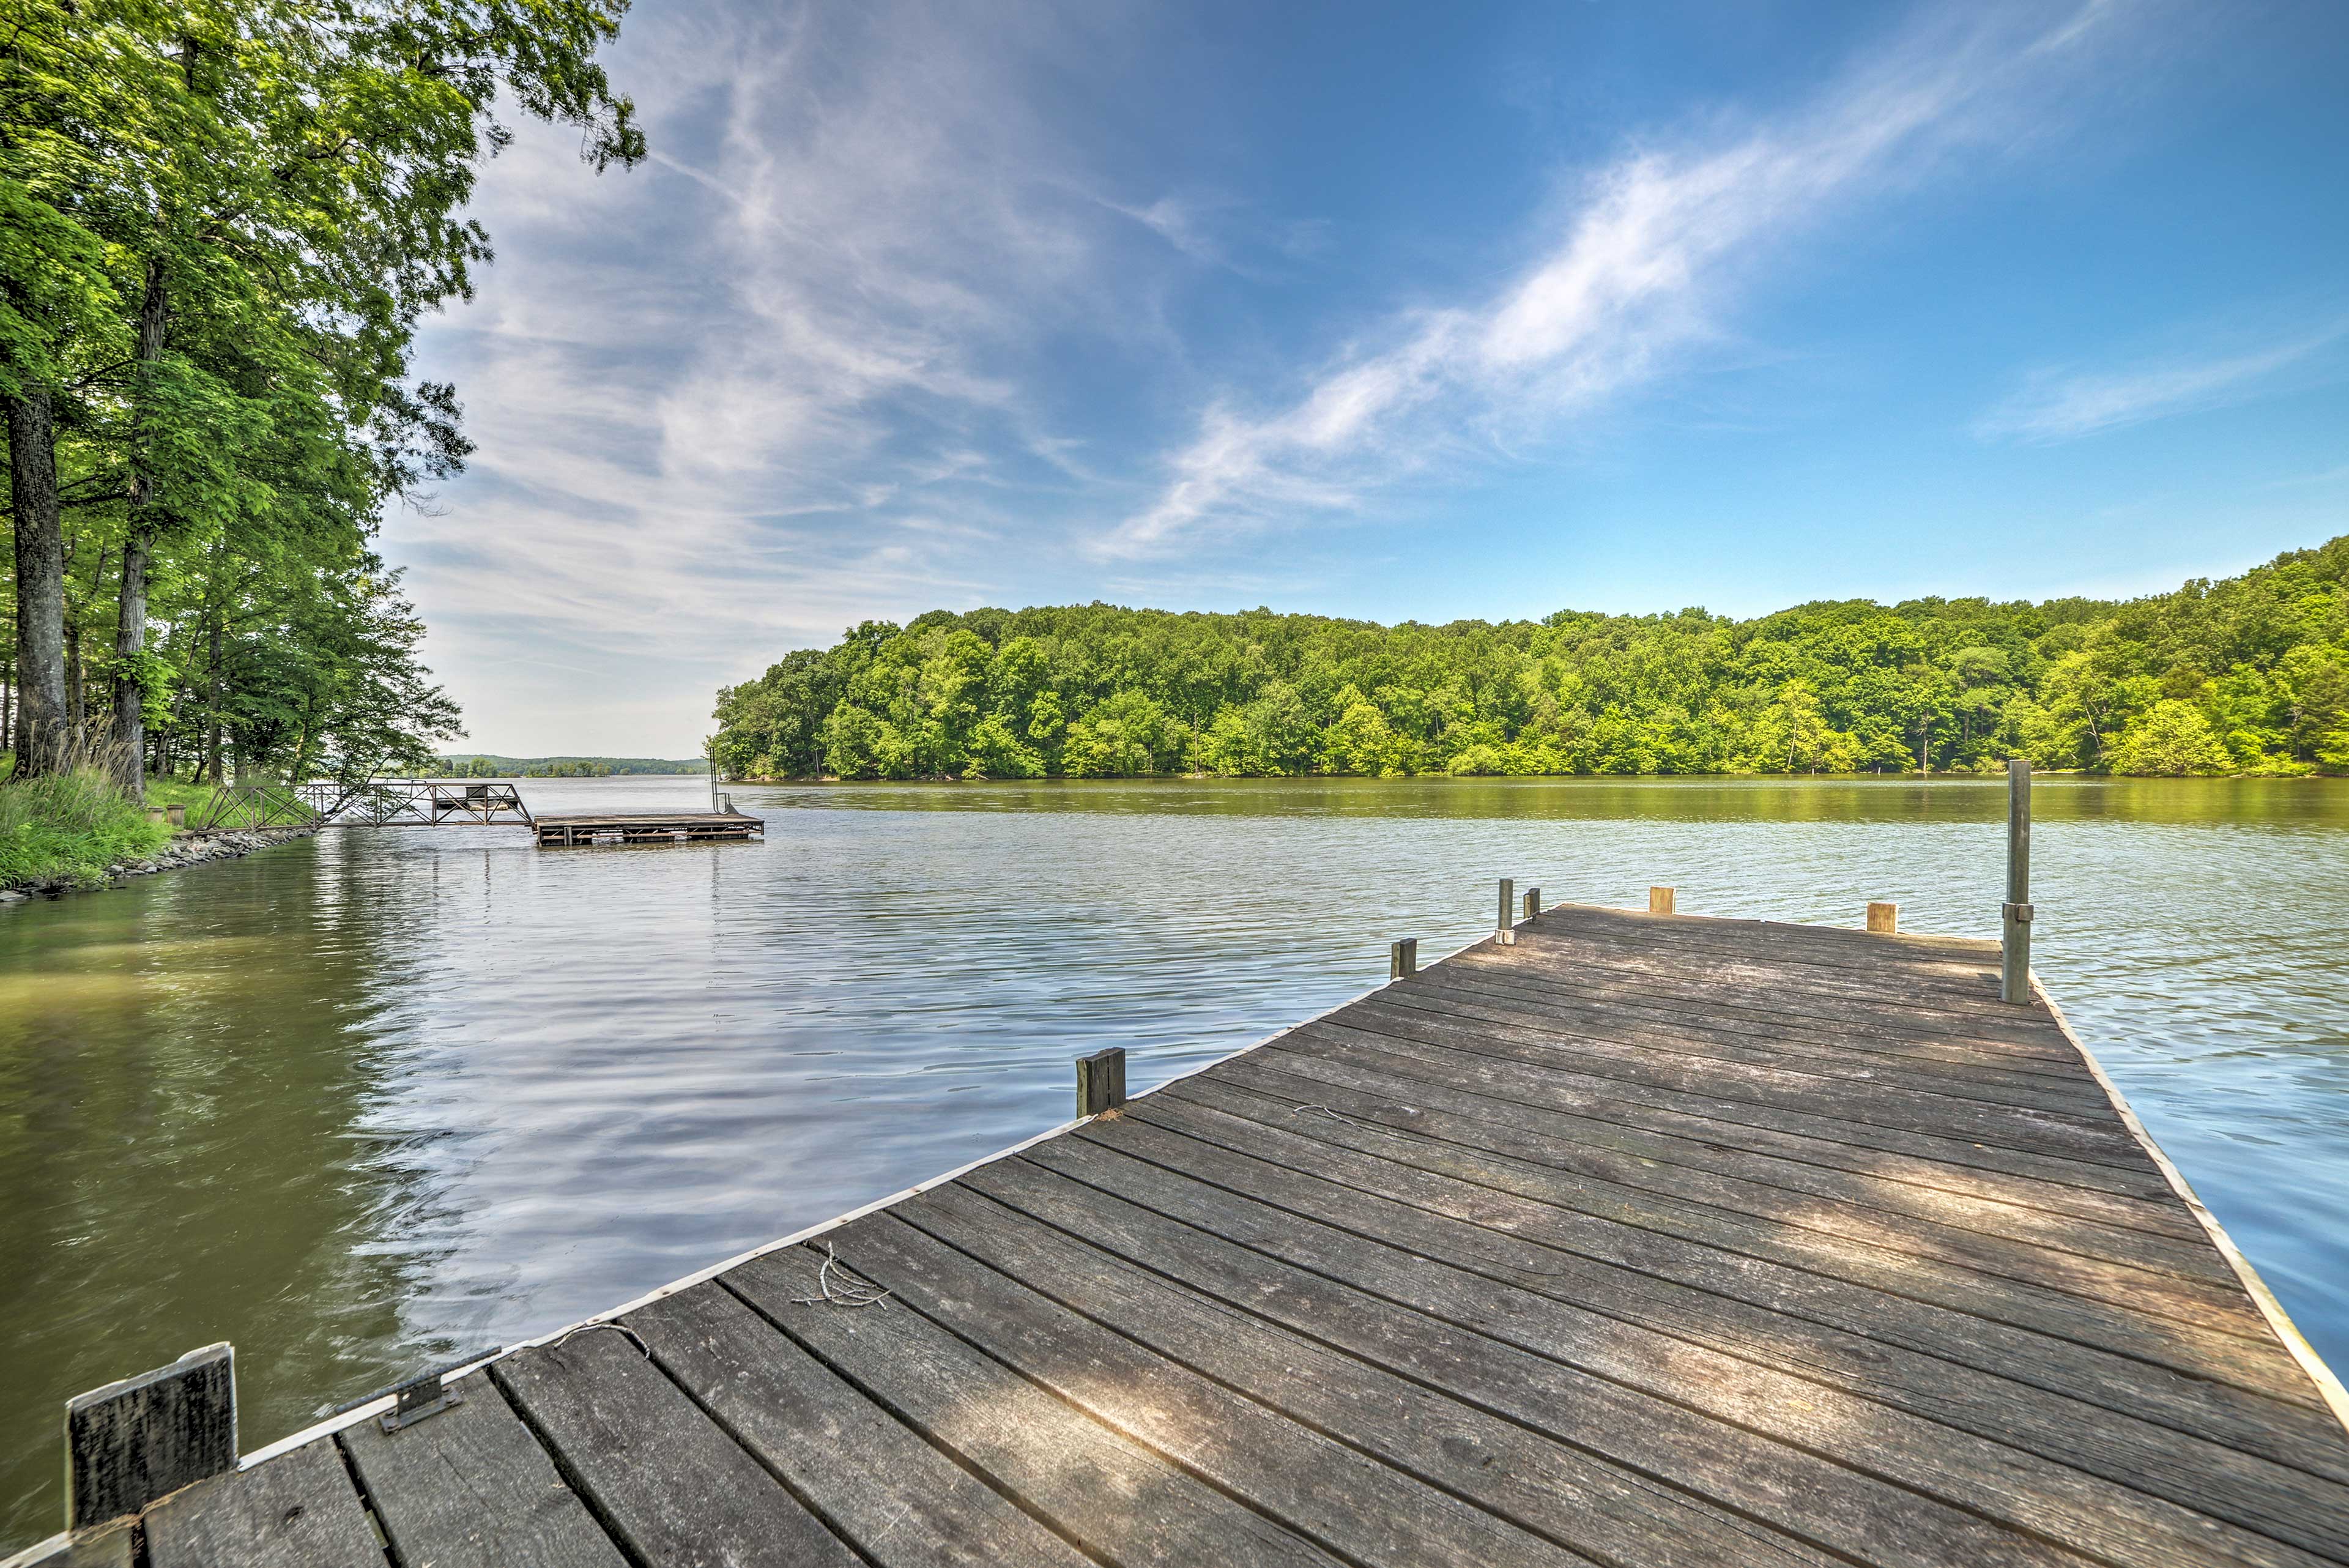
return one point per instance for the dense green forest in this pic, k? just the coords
(484, 765)
(219, 228)
(2246, 675)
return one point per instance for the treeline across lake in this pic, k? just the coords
(2248, 675)
(486, 766)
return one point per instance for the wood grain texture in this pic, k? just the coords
(2009, 1486)
(1549, 1488)
(1878, 1297)
(663, 1477)
(1510, 1244)
(1812, 1501)
(135, 1441)
(470, 1488)
(297, 1510)
(1600, 1182)
(886, 1490)
(1117, 1498)
(1351, 1503)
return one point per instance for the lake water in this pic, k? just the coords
(368, 1101)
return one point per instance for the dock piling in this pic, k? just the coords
(143, 1438)
(2014, 914)
(1101, 1081)
(1505, 932)
(1402, 959)
(1660, 900)
(1884, 919)
(1533, 902)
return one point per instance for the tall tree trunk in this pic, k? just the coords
(138, 547)
(41, 735)
(213, 731)
(77, 696)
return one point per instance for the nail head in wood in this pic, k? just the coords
(1884, 918)
(1402, 959)
(133, 1441)
(1660, 900)
(1504, 929)
(1101, 1081)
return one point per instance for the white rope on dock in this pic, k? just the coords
(851, 1292)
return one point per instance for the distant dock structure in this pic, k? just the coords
(466, 803)
(647, 827)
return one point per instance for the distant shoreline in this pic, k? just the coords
(1910, 776)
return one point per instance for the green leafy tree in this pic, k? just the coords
(2173, 739)
(239, 212)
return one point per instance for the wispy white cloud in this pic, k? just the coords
(1633, 277)
(779, 380)
(2059, 405)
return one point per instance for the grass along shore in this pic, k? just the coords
(70, 828)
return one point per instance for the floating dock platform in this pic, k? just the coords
(1617, 1239)
(645, 827)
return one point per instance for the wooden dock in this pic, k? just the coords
(645, 827)
(1628, 1239)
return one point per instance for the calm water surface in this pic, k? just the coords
(381, 1097)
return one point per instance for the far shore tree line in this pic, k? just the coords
(220, 227)
(2248, 675)
(486, 766)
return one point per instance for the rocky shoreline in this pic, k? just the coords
(183, 850)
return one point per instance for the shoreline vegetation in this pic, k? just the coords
(79, 828)
(68, 829)
(2248, 675)
(224, 226)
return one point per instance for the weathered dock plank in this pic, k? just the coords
(301, 1511)
(1116, 1497)
(880, 1483)
(470, 1488)
(667, 1481)
(1647, 1240)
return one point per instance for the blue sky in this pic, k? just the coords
(1400, 312)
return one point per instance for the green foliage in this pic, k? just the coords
(220, 227)
(2248, 675)
(2172, 740)
(69, 827)
(483, 766)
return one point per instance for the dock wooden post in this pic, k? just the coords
(1533, 902)
(1884, 918)
(1101, 1081)
(1660, 900)
(1402, 959)
(133, 1441)
(2014, 914)
(1505, 930)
